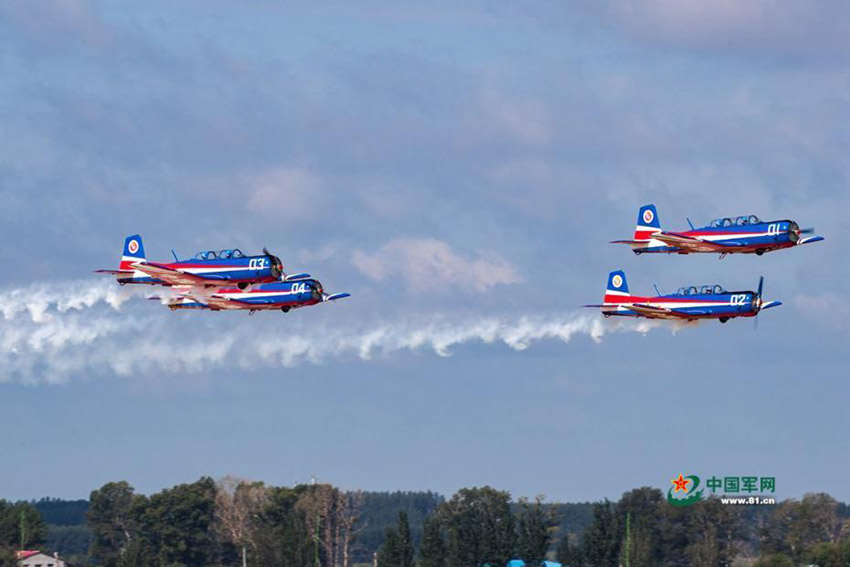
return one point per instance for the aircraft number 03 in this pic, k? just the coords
(257, 263)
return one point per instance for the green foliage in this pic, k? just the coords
(397, 550)
(21, 526)
(432, 552)
(59, 512)
(602, 539)
(110, 521)
(380, 510)
(535, 525)
(176, 524)
(775, 560)
(69, 540)
(479, 526)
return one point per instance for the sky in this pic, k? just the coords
(459, 171)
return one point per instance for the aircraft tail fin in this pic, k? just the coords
(647, 223)
(134, 251)
(617, 288)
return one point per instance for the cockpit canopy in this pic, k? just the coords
(734, 221)
(700, 290)
(221, 254)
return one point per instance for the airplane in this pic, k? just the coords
(687, 304)
(205, 269)
(283, 295)
(738, 235)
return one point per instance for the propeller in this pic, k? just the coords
(275, 265)
(760, 304)
(807, 230)
(334, 296)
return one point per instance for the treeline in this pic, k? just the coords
(643, 529)
(234, 522)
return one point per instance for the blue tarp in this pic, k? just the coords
(521, 563)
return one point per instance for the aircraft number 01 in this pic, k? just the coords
(773, 229)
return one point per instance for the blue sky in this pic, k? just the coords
(459, 171)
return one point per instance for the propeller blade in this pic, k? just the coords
(336, 296)
(807, 231)
(761, 286)
(266, 251)
(296, 277)
(769, 304)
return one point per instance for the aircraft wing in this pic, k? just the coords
(692, 244)
(654, 312)
(115, 272)
(170, 275)
(221, 302)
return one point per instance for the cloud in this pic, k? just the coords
(427, 264)
(285, 193)
(48, 338)
(782, 27)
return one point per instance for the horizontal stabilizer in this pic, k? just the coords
(629, 241)
(115, 272)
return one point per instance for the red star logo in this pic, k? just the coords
(680, 483)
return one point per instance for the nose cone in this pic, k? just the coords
(794, 231)
(318, 292)
(276, 266)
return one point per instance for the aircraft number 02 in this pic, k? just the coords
(738, 299)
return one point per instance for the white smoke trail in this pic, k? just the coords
(54, 333)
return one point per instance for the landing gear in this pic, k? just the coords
(724, 319)
(285, 309)
(759, 252)
(242, 285)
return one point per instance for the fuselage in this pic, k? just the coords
(724, 305)
(276, 295)
(245, 269)
(754, 238)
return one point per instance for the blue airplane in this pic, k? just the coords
(731, 235)
(687, 304)
(205, 269)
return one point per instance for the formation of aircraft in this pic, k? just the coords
(689, 303)
(732, 235)
(227, 279)
(231, 280)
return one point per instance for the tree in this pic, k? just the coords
(237, 507)
(432, 552)
(21, 526)
(479, 526)
(397, 550)
(177, 524)
(569, 552)
(108, 517)
(601, 543)
(640, 508)
(535, 531)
